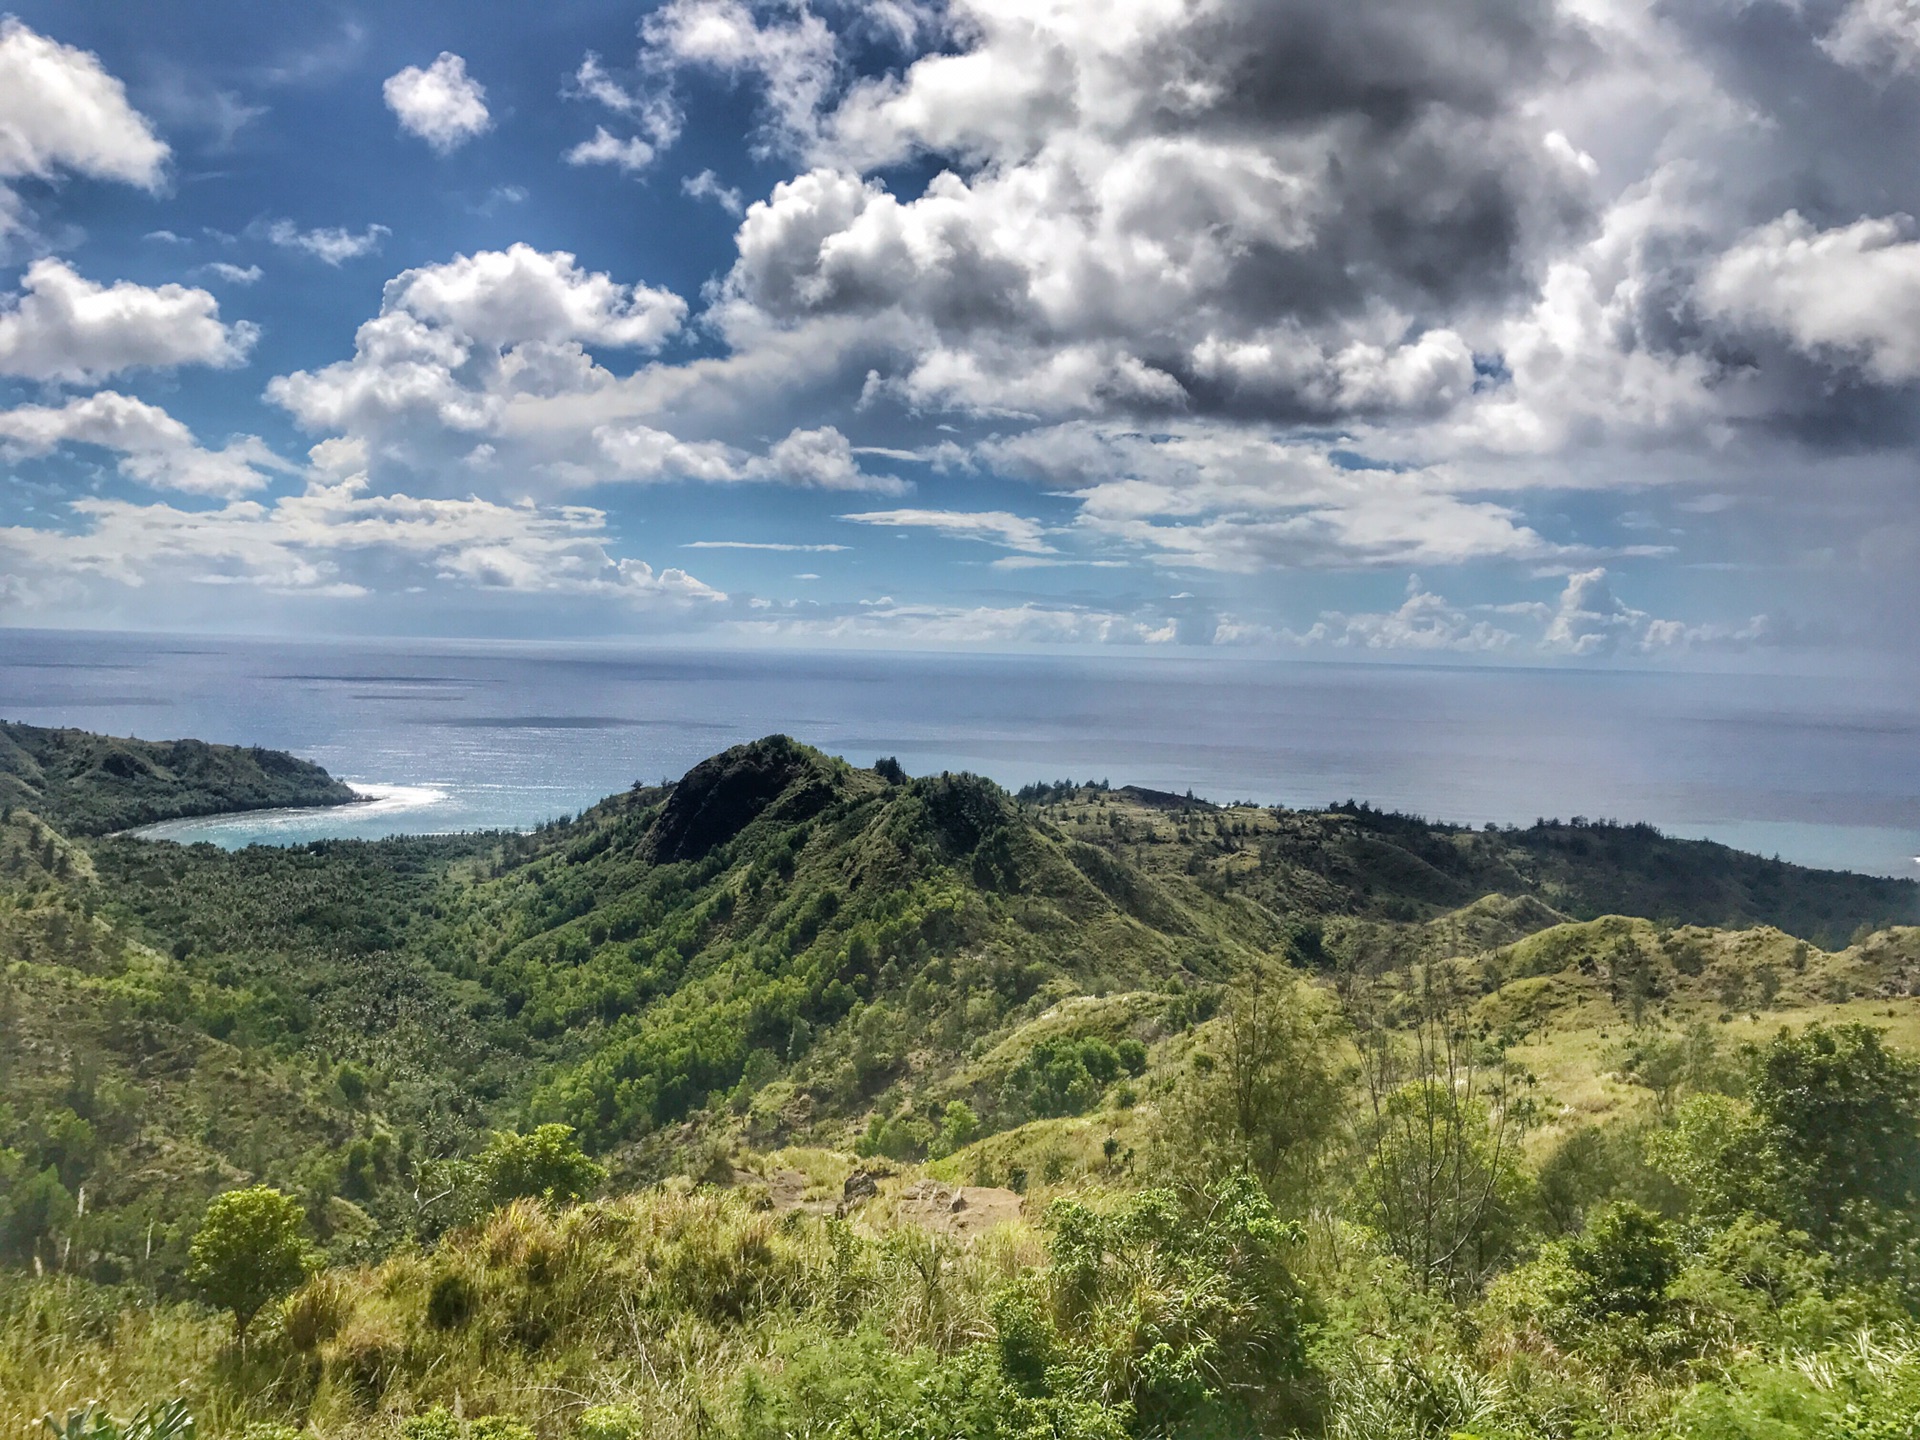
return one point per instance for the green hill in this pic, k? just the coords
(781, 944)
(86, 784)
(935, 1006)
(1354, 860)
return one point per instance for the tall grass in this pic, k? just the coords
(658, 1302)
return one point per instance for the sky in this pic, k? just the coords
(1529, 331)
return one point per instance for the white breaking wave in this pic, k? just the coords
(388, 799)
(268, 827)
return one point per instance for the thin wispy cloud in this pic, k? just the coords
(775, 546)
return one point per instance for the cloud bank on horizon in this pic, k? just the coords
(1531, 329)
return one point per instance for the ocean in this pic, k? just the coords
(470, 735)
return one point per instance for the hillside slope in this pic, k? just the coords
(781, 948)
(1354, 860)
(86, 784)
(1101, 1114)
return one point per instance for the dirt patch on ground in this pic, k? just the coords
(788, 1190)
(959, 1210)
(956, 1209)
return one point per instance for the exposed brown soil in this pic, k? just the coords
(957, 1209)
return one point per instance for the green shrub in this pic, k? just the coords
(162, 1420)
(450, 1301)
(547, 1164)
(251, 1248)
(610, 1422)
(1061, 1076)
(315, 1313)
(1628, 1260)
(437, 1424)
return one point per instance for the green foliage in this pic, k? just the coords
(162, 1420)
(1627, 1259)
(896, 1137)
(1725, 1158)
(92, 784)
(1844, 1113)
(251, 1248)
(33, 1208)
(610, 1422)
(1063, 1076)
(1150, 1319)
(1670, 1064)
(783, 950)
(1187, 1316)
(438, 1423)
(1271, 1101)
(547, 1164)
(958, 1126)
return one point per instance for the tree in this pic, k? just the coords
(1844, 1112)
(958, 1126)
(1274, 1095)
(1179, 1310)
(1725, 1157)
(34, 1205)
(1447, 1117)
(1662, 1062)
(251, 1248)
(1627, 1260)
(548, 1164)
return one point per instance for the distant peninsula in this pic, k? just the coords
(87, 784)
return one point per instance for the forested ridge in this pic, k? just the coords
(86, 784)
(798, 1097)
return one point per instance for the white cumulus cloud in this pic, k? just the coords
(338, 538)
(1876, 34)
(1425, 621)
(441, 104)
(631, 154)
(819, 459)
(706, 186)
(61, 111)
(462, 348)
(153, 447)
(505, 297)
(794, 55)
(63, 327)
(1852, 292)
(997, 527)
(890, 622)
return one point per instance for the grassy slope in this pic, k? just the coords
(828, 929)
(781, 928)
(109, 1074)
(1358, 862)
(780, 946)
(1567, 1001)
(85, 784)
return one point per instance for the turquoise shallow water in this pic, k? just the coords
(457, 736)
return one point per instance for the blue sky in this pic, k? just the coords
(1577, 332)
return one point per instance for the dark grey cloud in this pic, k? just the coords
(1310, 177)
